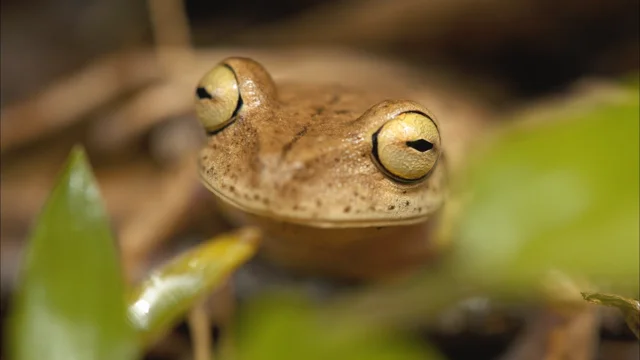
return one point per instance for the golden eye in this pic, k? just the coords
(407, 147)
(217, 98)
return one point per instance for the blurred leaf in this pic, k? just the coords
(547, 200)
(632, 80)
(287, 328)
(561, 194)
(630, 308)
(70, 300)
(170, 291)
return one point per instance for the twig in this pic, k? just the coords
(575, 337)
(557, 335)
(200, 332)
(159, 218)
(141, 113)
(66, 101)
(172, 34)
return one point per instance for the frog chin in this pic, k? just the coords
(242, 214)
(349, 252)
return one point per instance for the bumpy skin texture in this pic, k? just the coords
(304, 155)
(297, 161)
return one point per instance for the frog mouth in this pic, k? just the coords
(316, 221)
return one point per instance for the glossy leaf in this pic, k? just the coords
(70, 298)
(164, 298)
(288, 328)
(561, 194)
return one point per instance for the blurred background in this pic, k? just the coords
(118, 75)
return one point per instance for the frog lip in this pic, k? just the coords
(317, 222)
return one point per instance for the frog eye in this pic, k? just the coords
(407, 146)
(217, 98)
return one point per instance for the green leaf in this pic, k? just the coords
(70, 299)
(285, 327)
(632, 80)
(630, 308)
(163, 299)
(561, 194)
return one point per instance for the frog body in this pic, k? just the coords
(342, 182)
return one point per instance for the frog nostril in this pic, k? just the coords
(421, 145)
(203, 93)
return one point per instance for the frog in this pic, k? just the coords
(342, 182)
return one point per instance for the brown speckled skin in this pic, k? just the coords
(297, 162)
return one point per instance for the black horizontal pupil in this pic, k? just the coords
(421, 145)
(203, 93)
